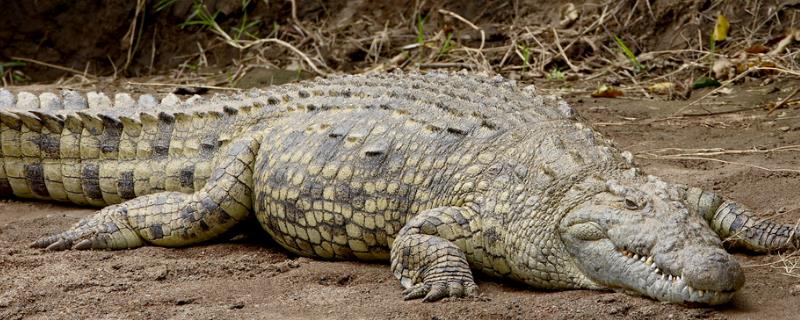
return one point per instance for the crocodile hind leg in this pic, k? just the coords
(171, 218)
(428, 255)
(739, 226)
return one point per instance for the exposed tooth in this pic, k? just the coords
(658, 270)
(635, 257)
(649, 260)
(642, 259)
(669, 277)
(701, 292)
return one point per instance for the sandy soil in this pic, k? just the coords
(249, 277)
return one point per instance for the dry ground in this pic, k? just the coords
(254, 278)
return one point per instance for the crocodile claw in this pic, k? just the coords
(105, 230)
(430, 292)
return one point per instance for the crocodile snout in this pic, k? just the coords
(708, 268)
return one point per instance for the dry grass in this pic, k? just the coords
(580, 44)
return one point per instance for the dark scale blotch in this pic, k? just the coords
(125, 185)
(278, 176)
(162, 139)
(433, 127)
(156, 232)
(203, 225)
(34, 175)
(111, 227)
(223, 217)
(459, 218)
(209, 205)
(303, 94)
(273, 101)
(292, 212)
(49, 145)
(187, 177)
(208, 145)
(458, 131)
(490, 234)
(109, 140)
(738, 222)
(488, 124)
(90, 181)
(230, 110)
(5, 188)
(186, 213)
(339, 131)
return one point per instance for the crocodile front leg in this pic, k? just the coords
(171, 218)
(429, 256)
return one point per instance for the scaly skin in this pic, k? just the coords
(441, 174)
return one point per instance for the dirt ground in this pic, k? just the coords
(250, 277)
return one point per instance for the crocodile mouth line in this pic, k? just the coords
(661, 283)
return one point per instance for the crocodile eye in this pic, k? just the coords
(631, 204)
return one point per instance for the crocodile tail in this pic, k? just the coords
(739, 225)
(92, 151)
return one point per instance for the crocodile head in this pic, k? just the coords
(636, 235)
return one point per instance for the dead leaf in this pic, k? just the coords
(662, 88)
(605, 91)
(756, 49)
(721, 28)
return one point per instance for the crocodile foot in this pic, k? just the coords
(434, 291)
(108, 229)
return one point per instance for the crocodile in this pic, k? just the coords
(440, 174)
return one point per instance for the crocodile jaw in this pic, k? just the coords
(649, 280)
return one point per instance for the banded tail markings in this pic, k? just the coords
(166, 124)
(110, 137)
(182, 131)
(129, 138)
(54, 179)
(90, 136)
(148, 133)
(13, 164)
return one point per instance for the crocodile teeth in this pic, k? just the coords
(649, 261)
(635, 257)
(642, 259)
